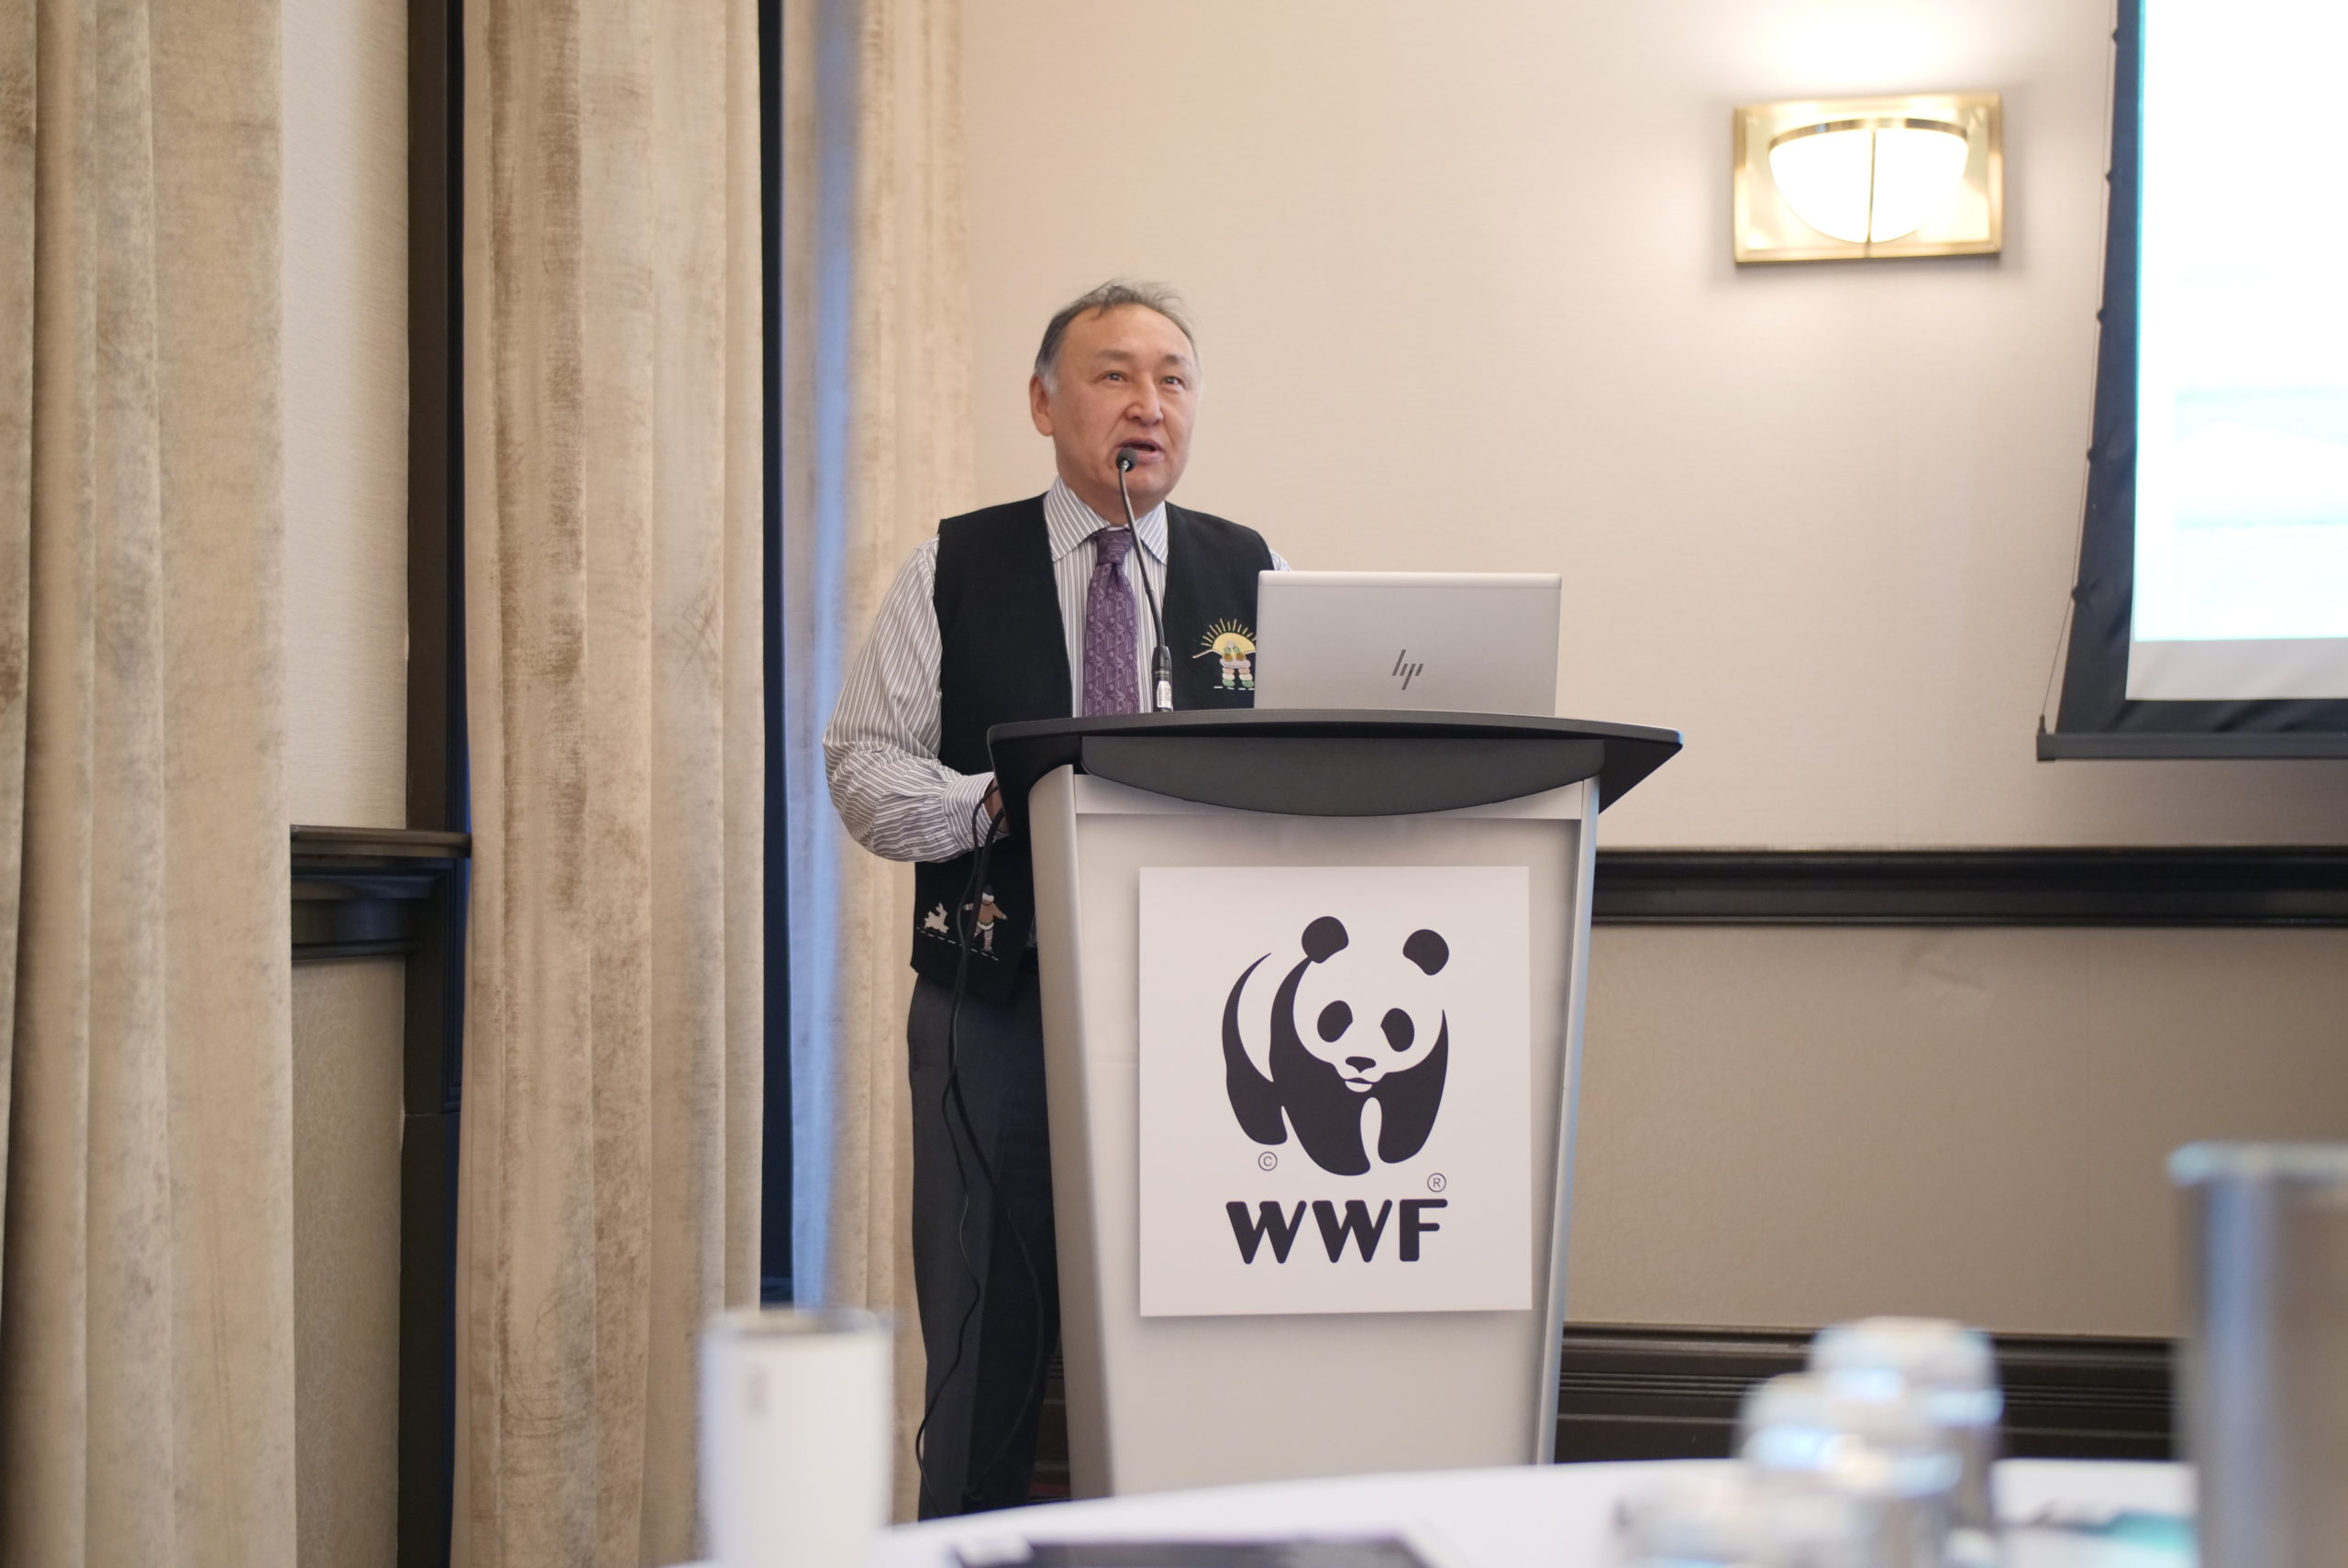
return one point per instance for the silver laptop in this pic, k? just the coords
(1459, 641)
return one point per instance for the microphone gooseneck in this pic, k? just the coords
(1161, 657)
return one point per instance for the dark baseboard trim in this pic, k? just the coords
(1630, 1391)
(370, 892)
(1051, 1481)
(2280, 886)
(383, 843)
(1634, 1391)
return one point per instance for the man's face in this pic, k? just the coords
(1124, 378)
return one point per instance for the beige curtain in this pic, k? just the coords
(876, 446)
(611, 1134)
(145, 1287)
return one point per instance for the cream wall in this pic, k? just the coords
(1463, 281)
(345, 280)
(347, 1041)
(344, 227)
(1794, 1126)
(1462, 278)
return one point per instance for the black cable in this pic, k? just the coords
(950, 1096)
(951, 1099)
(1002, 1213)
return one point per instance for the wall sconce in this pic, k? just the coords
(1847, 179)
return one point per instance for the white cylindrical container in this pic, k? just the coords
(1952, 1373)
(2266, 1409)
(796, 1417)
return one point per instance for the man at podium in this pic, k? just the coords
(1047, 608)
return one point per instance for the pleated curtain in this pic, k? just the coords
(146, 1281)
(877, 448)
(611, 1136)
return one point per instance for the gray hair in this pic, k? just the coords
(1114, 295)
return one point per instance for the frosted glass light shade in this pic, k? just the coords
(1869, 177)
(1867, 180)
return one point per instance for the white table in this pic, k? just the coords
(1552, 1515)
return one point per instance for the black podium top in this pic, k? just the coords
(1329, 763)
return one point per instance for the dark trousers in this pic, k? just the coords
(985, 1269)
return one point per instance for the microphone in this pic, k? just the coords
(1161, 657)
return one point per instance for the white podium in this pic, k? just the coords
(1312, 992)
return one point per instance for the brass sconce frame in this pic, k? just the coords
(1765, 227)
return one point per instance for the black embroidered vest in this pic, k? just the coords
(1004, 658)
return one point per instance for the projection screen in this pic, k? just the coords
(2212, 598)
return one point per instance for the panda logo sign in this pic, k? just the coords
(1334, 1077)
(1326, 1086)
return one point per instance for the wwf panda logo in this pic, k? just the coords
(1328, 1070)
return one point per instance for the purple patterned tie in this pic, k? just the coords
(1111, 685)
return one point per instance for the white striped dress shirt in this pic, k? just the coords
(881, 749)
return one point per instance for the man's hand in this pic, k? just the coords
(995, 802)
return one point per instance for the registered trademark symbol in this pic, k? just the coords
(1435, 1182)
(1267, 1160)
